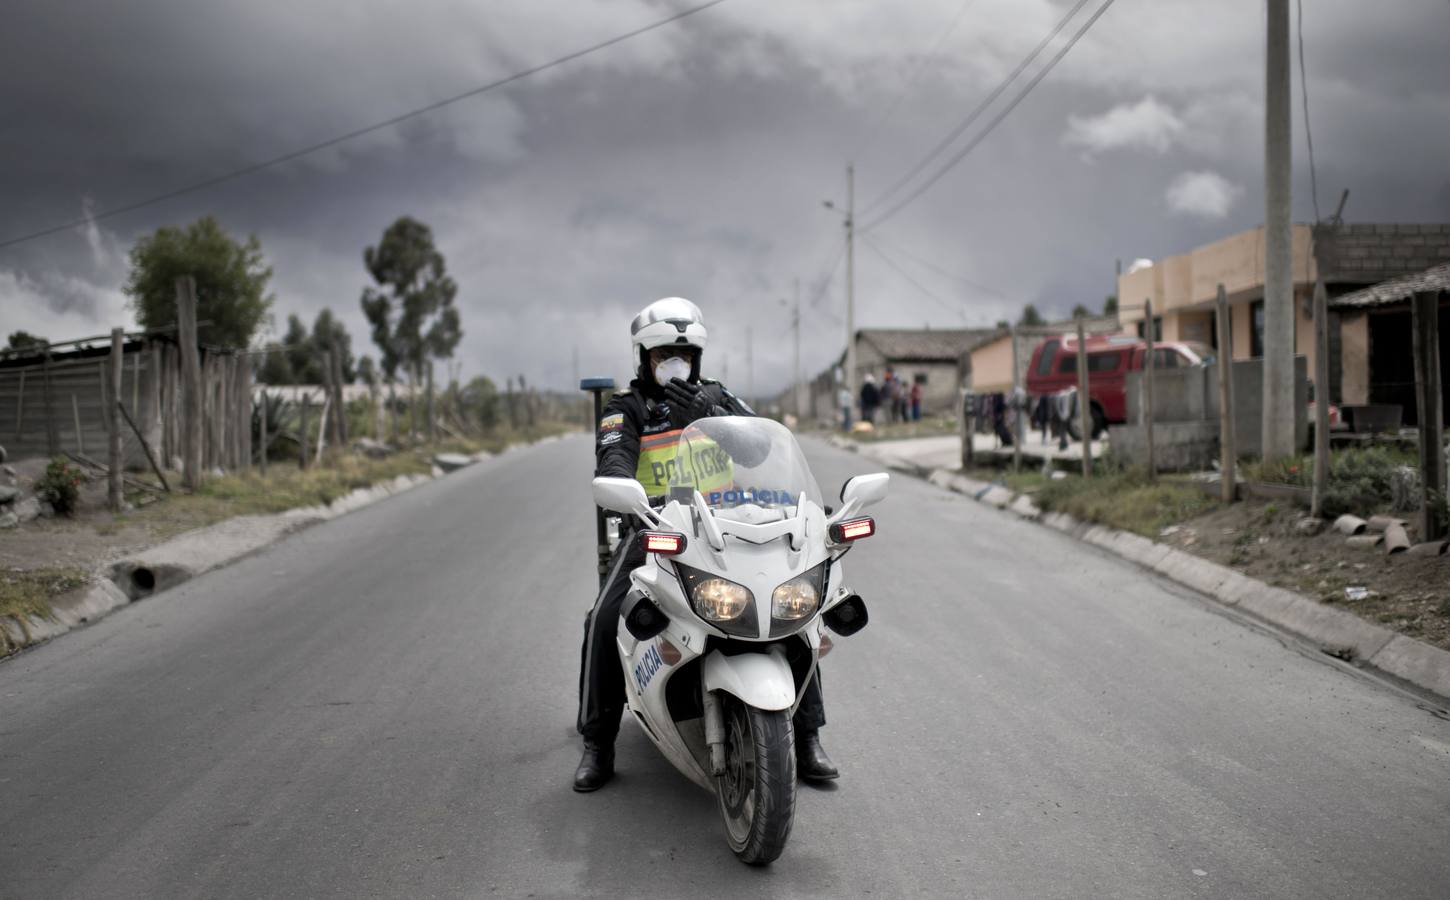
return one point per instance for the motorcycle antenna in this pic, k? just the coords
(597, 387)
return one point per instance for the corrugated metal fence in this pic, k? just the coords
(60, 402)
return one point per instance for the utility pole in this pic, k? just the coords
(1279, 412)
(851, 280)
(796, 373)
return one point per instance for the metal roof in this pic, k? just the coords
(1396, 290)
(922, 345)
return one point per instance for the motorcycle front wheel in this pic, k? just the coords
(757, 792)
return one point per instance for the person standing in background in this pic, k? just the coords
(870, 398)
(916, 400)
(843, 400)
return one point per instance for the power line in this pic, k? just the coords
(872, 245)
(1308, 135)
(916, 71)
(991, 126)
(940, 270)
(976, 113)
(368, 129)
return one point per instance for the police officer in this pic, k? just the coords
(635, 440)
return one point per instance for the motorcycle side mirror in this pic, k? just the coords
(621, 495)
(864, 490)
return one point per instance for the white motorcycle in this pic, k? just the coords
(722, 628)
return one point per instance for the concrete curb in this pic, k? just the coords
(1336, 632)
(188, 555)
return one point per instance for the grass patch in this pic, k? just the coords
(930, 426)
(1361, 479)
(1126, 500)
(1026, 481)
(287, 487)
(27, 592)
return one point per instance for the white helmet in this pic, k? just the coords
(671, 322)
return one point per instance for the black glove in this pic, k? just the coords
(689, 402)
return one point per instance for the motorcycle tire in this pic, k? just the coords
(756, 794)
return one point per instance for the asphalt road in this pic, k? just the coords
(383, 706)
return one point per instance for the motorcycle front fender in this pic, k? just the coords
(761, 680)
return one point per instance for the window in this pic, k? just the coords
(1044, 362)
(1165, 358)
(1157, 328)
(1097, 362)
(1256, 339)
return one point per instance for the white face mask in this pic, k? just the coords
(674, 367)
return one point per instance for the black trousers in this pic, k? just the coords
(601, 680)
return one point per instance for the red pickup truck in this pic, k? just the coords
(1110, 358)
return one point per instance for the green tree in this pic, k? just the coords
(301, 356)
(22, 342)
(367, 371)
(411, 309)
(330, 335)
(1081, 312)
(274, 368)
(231, 281)
(480, 401)
(1110, 305)
(1003, 324)
(1030, 316)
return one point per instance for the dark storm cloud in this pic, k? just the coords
(690, 161)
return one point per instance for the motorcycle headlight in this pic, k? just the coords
(797, 598)
(719, 600)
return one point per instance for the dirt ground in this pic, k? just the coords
(1409, 595)
(93, 536)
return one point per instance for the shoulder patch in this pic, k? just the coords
(612, 422)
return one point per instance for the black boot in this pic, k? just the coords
(596, 766)
(812, 763)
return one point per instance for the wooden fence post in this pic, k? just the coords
(20, 408)
(262, 420)
(1084, 401)
(113, 420)
(337, 399)
(302, 431)
(1148, 388)
(1016, 413)
(246, 401)
(1321, 399)
(191, 418)
(75, 411)
(1228, 452)
(52, 434)
(432, 423)
(1425, 323)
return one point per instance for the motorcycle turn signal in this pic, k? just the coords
(669, 543)
(853, 529)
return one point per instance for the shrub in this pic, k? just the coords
(60, 486)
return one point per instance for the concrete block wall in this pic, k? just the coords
(1189, 398)
(1369, 254)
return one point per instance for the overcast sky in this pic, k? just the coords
(690, 161)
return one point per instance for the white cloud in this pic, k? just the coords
(1207, 195)
(1145, 125)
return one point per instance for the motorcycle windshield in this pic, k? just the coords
(737, 461)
